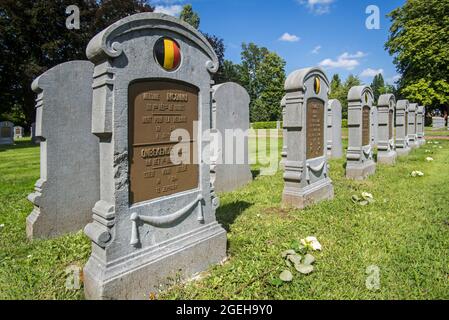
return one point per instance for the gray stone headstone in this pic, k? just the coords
(412, 136)
(69, 175)
(230, 119)
(18, 133)
(402, 144)
(438, 123)
(284, 136)
(386, 153)
(155, 220)
(306, 178)
(334, 132)
(6, 133)
(33, 133)
(360, 163)
(374, 126)
(420, 125)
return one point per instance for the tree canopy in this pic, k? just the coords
(419, 42)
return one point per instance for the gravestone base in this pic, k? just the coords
(421, 141)
(414, 145)
(360, 171)
(302, 198)
(388, 158)
(403, 152)
(150, 271)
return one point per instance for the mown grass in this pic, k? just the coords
(404, 233)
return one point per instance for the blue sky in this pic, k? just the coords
(329, 33)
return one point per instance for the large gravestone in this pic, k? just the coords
(402, 145)
(412, 136)
(334, 132)
(33, 133)
(18, 133)
(437, 123)
(69, 175)
(306, 173)
(230, 167)
(6, 133)
(360, 163)
(374, 126)
(420, 125)
(155, 220)
(284, 135)
(386, 153)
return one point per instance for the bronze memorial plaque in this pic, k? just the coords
(390, 124)
(366, 139)
(315, 128)
(156, 109)
(5, 132)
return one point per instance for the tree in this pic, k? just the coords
(190, 16)
(34, 38)
(230, 72)
(419, 42)
(378, 86)
(340, 91)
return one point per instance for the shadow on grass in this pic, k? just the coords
(18, 145)
(227, 214)
(255, 173)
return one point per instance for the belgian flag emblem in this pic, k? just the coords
(317, 85)
(167, 54)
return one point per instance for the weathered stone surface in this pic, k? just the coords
(386, 153)
(360, 163)
(334, 132)
(374, 126)
(306, 170)
(18, 133)
(438, 123)
(69, 181)
(230, 118)
(420, 125)
(6, 133)
(412, 136)
(284, 136)
(139, 247)
(402, 144)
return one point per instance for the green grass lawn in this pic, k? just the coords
(436, 133)
(405, 233)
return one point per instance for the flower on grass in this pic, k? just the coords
(429, 159)
(312, 243)
(417, 174)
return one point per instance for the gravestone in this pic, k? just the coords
(402, 144)
(69, 176)
(360, 163)
(284, 136)
(420, 125)
(334, 132)
(6, 133)
(230, 167)
(155, 220)
(33, 133)
(412, 136)
(306, 175)
(374, 126)
(386, 153)
(437, 123)
(18, 133)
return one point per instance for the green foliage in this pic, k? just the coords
(265, 125)
(190, 16)
(340, 91)
(419, 42)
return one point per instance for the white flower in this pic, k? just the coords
(417, 174)
(2, 226)
(429, 159)
(367, 195)
(29, 256)
(311, 242)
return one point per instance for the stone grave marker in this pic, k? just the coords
(306, 175)
(69, 158)
(18, 133)
(155, 220)
(402, 145)
(230, 168)
(360, 163)
(6, 133)
(374, 126)
(386, 153)
(412, 136)
(437, 123)
(420, 125)
(334, 131)
(284, 135)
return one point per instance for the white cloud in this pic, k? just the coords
(316, 50)
(393, 79)
(345, 61)
(289, 37)
(318, 7)
(172, 10)
(369, 73)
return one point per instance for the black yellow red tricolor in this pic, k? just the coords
(167, 53)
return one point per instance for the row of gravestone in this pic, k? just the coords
(106, 128)
(9, 133)
(439, 123)
(312, 134)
